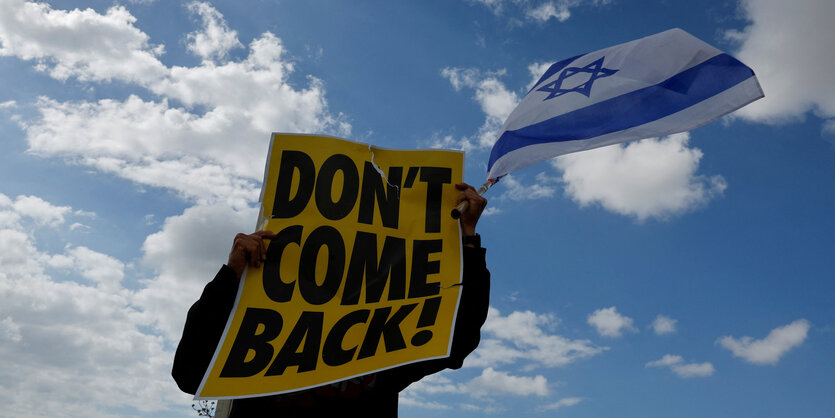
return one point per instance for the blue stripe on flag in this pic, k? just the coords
(677, 93)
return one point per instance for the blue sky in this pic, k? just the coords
(684, 276)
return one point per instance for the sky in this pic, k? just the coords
(685, 276)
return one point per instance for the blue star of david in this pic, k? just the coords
(595, 70)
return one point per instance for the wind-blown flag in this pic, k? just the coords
(659, 85)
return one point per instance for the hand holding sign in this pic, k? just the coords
(248, 249)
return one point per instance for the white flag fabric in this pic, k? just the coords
(659, 85)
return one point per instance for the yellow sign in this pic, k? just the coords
(361, 276)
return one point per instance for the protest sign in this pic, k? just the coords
(361, 276)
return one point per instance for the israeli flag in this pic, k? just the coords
(659, 85)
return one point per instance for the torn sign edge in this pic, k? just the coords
(261, 223)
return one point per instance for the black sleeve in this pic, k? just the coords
(204, 326)
(472, 312)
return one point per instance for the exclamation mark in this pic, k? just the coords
(427, 318)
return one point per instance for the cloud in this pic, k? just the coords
(40, 211)
(664, 325)
(10, 330)
(609, 323)
(694, 370)
(414, 402)
(193, 130)
(484, 409)
(538, 10)
(536, 70)
(676, 364)
(523, 336)
(214, 39)
(780, 35)
(461, 77)
(79, 43)
(546, 11)
(667, 360)
(103, 270)
(186, 253)
(544, 187)
(562, 403)
(519, 340)
(491, 211)
(770, 349)
(647, 178)
(494, 5)
(203, 155)
(68, 322)
(488, 385)
(496, 101)
(492, 383)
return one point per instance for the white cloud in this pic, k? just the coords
(496, 101)
(79, 226)
(202, 156)
(562, 403)
(537, 69)
(435, 384)
(40, 211)
(537, 10)
(494, 5)
(410, 401)
(664, 325)
(667, 360)
(676, 364)
(789, 44)
(518, 340)
(694, 370)
(197, 134)
(609, 323)
(101, 326)
(647, 178)
(187, 252)
(10, 330)
(544, 187)
(79, 43)
(461, 77)
(491, 211)
(490, 383)
(770, 349)
(450, 142)
(522, 336)
(77, 330)
(215, 39)
(493, 383)
(103, 270)
(546, 11)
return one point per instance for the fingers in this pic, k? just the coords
(249, 249)
(265, 234)
(463, 187)
(475, 205)
(469, 193)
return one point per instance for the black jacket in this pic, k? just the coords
(374, 395)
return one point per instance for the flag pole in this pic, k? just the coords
(462, 207)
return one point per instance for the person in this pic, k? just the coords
(373, 395)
